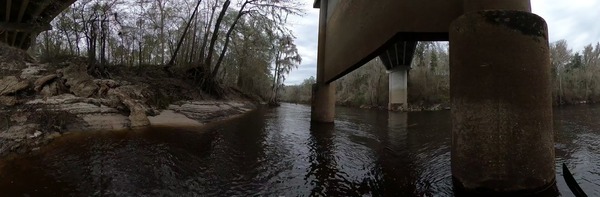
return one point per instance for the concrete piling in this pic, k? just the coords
(502, 137)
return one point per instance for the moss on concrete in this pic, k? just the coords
(524, 22)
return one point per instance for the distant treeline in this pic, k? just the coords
(576, 78)
(368, 85)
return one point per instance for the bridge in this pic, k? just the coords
(502, 137)
(22, 20)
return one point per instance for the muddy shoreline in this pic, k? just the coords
(28, 139)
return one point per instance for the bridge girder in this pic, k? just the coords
(22, 20)
(361, 30)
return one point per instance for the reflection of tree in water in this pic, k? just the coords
(429, 139)
(395, 161)
(322, 170)
(411, 153)
(236, 157)
(390, 171)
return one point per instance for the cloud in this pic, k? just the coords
(574, 21)
(306, 29)
(298, 76)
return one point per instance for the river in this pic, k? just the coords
(277, 152)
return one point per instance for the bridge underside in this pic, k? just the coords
(399, 53)
(22, 20)
(354, 39)
(383, 26)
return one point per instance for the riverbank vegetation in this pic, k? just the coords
(367, 86)
(576, 74)
(575, 79)
(214, 44)
(124, 64)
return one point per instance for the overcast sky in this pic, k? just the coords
(576, 21)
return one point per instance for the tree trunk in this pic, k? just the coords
(77, 38)
(47, 41)
(276, 74)
(192, 48)
(103, 43)
(140, 52)
(227, 38)
(92, 44)
(172, 61)
(215, 36)
(206, 33)
(162, 32)
(71, 50)
(560, 90)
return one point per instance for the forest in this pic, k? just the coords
(241, 44)
(575, 79)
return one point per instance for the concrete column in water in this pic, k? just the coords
(502, 137)
(323, 103)
(398, 92)
(323, 94)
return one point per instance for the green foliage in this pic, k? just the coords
(299, 93)
(575, 76)
(429, 77)
(249, 60)
(575, 62)
(365, 86)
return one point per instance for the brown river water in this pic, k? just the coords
(277, 152)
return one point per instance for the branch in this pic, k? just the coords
(213, 40)
(187, 26)
(241, 12)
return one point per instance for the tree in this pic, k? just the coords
(251, 55)
(190, 37)
(187, 27)
(560, 55)
(286, 59)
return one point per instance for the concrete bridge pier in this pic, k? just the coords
(323, 94)
(502, 137)
(323, 103)
(398, 92)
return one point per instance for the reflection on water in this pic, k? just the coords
(577, 143)
(277, 152)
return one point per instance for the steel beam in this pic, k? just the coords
(24, 5)
(358, 29)
(24, 27)
(29, 19)
(40, 9)
(22, 10)
(8, 9)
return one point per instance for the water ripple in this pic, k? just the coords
(278, 152)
